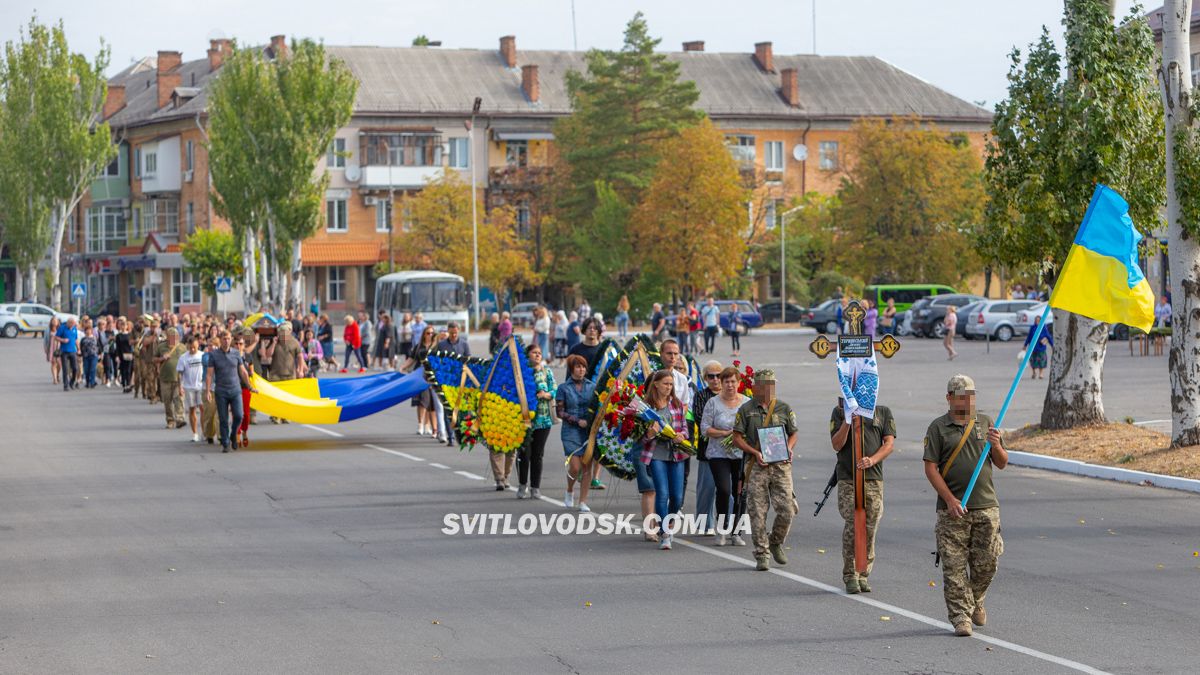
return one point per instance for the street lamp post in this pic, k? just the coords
(474, 216)
(783, 262)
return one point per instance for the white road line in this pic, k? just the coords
(323, 430)
(892, 609)
(1150, 422)
(468, 474)
(397, 453)
(438, 466)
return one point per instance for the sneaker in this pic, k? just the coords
(362, 370)
(778, 554)
(738, 541)
(521, 492)
(865, 588)
(499, 486)
(584, 508)
(342, 370)
(568, 500)
(535, 493)
(721, 541)
(963, 629)
(597, 485)
(665, 545)
(853, 587)
(209, 440)
(224, 448)
(195, 438)
(979, 616)
(763, 563)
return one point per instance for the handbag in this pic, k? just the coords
(1021, 356)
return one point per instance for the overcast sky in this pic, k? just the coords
(958, 45)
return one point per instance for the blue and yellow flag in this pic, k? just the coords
(1101, 278)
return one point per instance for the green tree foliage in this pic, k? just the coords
(1071, 121)
(626, 102)
(809, 246)
(909, 203)
(209, 254)
(51, 142)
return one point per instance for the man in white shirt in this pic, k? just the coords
(191, 383)
(669, 351)
(710, 316)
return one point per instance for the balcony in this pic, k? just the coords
(398, 177)
(518, 178)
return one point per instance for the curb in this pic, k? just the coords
(1077, 468)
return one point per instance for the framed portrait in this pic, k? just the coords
(772, 442)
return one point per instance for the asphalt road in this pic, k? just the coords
(127, 549)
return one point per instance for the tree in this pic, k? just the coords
(1183, 218)
(626, 103)
(52, 104)
(270, 123)
(421, 40)
(209, 254)
(440, 237)
(689, 224)
(910, 190)
(1053, 139)
(809, 246)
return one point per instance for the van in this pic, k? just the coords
(904, 295)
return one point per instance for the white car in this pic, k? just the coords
(28, 317)
(1025, 318)
(997, 318)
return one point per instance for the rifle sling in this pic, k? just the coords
(958, 448)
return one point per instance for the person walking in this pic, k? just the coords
(560, 337)
(124, 355)
(405, 339)
(710, 317)
(572, 400)
(665, 458)
(286, 360)
(735, 331)
(1040, 357)
(504, 330)
(724, 458)
(541, 328)
(888, 320)
(968, 535)
(950, 323)
(89, 352)
(67, 337)
(208, 410)
(767, 485)
(694, 328)
(423, 402)
(706, 489)
(53, 348)
(325, 337)
(871, 320)
(531, 453)
(454, 343)
(353, 340)
(247, 342)
(622, 317)
(227, 377)
(385, 342)
(166, 360)
(191, 383)
(105, 332)
(366, 332)
(1163, 313)
(683, 330)
(878, 440)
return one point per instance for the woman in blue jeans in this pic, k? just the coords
(665, 459)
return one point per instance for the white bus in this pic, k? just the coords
(439, 296)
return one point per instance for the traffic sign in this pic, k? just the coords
(224, 284)
(79, 290)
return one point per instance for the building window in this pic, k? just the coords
(185, 288)
(773, 155)
(137, 162)
(191, 156)
(335, 288)
(404, 149)
(114, 167)
(151, 159)
(523, 220)
(105, 229)
(336, 157)
(516, 153)
(828, 155)
(161, 216)
(460, 153)
(151, 302)
(191, 218)
(383, 215)
(742, 149)
(70, 227)
(335, 215)
(406, 216)
(101, 288)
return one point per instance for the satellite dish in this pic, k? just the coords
(800, 152)
(353, 173)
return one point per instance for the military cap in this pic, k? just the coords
(764, 376)
(960, 384)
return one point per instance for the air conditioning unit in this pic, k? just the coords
(370, 201)
(187, 176)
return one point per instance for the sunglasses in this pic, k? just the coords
(711, 376)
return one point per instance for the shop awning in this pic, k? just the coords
(523, 135)
(339, 254)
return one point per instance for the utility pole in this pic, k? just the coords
(474, 215)
(783, 261)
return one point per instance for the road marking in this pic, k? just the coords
(397, 453)
(468, 474)
(323, 430)
(892, 609)
(440, 466)
(1150, 422)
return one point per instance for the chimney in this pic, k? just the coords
(508, 50)
(218, 51)
(114, 100)
(694, 46)
(529, 82)
(279, 46)
(168, 75)
(789, 88)
(764, 57)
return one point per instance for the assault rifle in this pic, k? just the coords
(828, 488)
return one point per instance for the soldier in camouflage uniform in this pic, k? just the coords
(768, 485)
(879, 437)
(139, 331)
(149, 370)
(968, 539)
(166, 359)
(286, 363)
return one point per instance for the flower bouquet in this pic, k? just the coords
(745, 388)
(468, 431)
(632, 417)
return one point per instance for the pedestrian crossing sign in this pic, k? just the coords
(224, 284)
(79, 290)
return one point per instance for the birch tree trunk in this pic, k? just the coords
(264, 279)
(31, 278)
(1076, 372)
(297, 299)
(58, 227)
(18, 284)
(249, 276)
(1175, 78)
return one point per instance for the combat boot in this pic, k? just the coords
(852, 587)
(862, 586)
(979, 616)
(963, 628)
(778, 554)
(764, 563)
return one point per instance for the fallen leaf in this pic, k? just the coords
(932, 584)
(1196, 554)
(1082, 521)
(821, 551)
(151, 656)
(987, 649)
(1158, 566)
(436, 622)
(588, 603)
(885, 618)
(170, 569)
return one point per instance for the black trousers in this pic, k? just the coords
(529, 458)
(126, 372)
(70, 369)
(710, 339)
(726, 474)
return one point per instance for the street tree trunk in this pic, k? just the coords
(1175, 78)
(296, 299)
(58, 227)
(249, 276)
(264, 279)
(18, 284)
(1076, 372)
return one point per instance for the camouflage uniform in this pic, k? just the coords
(767, 486)
(874, 430)
(168, 381)
(284, 359)
(149, 372)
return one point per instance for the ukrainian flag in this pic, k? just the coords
(1101, 278)
(330, 401)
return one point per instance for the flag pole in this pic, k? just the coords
(987, 448)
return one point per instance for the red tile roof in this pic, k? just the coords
(324, 253)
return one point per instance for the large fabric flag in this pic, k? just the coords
(1101, 278)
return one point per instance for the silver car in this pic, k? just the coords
(27, 317)
(997, 318)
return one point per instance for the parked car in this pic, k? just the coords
(997, 318)
(792, 313)
(750, 317)
(1025, 317)
(522, 313)
(961, 330)
(927, 321)
(823, 317)
(904, 295)
(28, 317)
